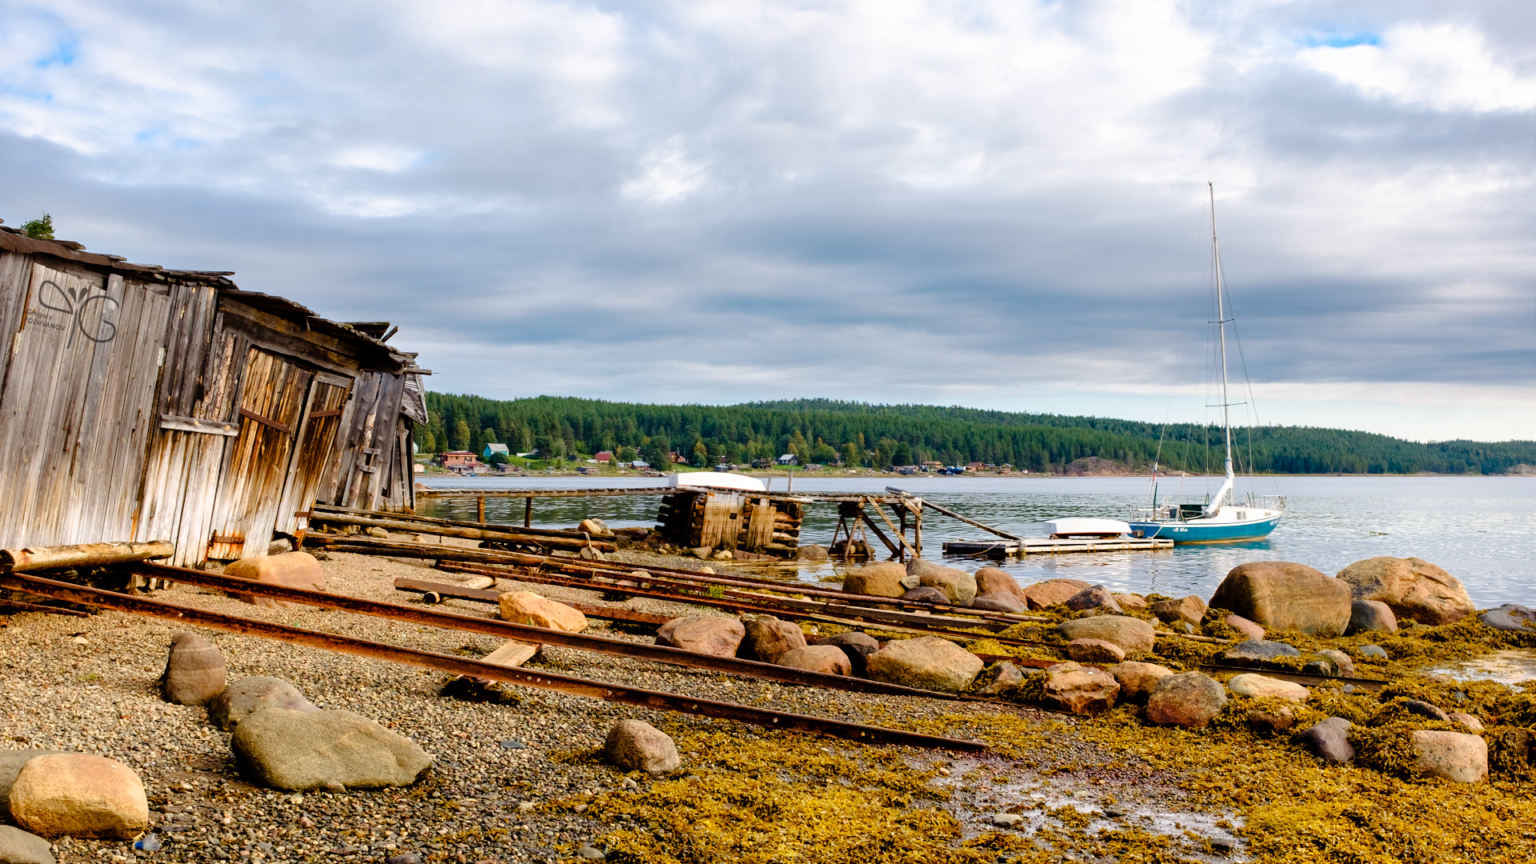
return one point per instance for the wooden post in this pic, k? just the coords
(480, 509)
(528, 512)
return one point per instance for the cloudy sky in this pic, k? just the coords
(996, 204)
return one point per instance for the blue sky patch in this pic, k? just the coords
(63, 53)
(1342, 40)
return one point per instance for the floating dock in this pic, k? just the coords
(1049, 546)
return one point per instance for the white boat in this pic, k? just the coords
(1222, 518)
(718, 480)
(1077, 526)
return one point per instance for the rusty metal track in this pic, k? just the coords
(372, 546)
(436, 592)
(830, 613)
(22, 606)
(525, 633)
(475, 669)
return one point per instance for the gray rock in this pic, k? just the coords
(1282, 595)
(1132, 634)
(194, 671)
(1342, 665)
(713, 635)
(957, 585)
(1375, 652)
(1510, 616)
(767, 639)
(1137, 680)
(1005, 678)
(1079, 689)
(1328, 740)
(1366, 616)
(314, 749)
(925, 594)
(403, 858)
(1424, 709)
(999, 603)
(1095, 597)
(1095, 651)
(1415, 589)
(865, 643)
(635, 745)
(1255, 652)
(1190, 610)
(1007, 820)
(591, 853)
(813, 552)
(1187, 699)
(19, 847)
(249, 695)
(926, 662)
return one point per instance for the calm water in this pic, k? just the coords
(1481, 529)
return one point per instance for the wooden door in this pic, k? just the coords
(317, 439)
(272, 396)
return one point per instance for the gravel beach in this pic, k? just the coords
(504, 773)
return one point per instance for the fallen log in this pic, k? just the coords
(34, 558)
(571, 541)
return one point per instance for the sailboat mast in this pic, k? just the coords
(1221, 329)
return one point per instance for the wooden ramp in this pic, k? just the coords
(1049, 546)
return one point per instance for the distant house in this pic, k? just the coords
(974, 466)
(458, 459)
(638, 463)
(788, 459)
(932, 466)
(493, 449)
(604, 456)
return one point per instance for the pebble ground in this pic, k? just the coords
(90, 685)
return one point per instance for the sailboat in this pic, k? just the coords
(1222, 518)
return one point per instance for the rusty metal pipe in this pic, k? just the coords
(475, 669)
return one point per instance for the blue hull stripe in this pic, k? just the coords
(1209, 532)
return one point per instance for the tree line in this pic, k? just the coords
(878, 436)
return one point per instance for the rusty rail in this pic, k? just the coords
(527, 633)
(867, 617)
(472, 668)
(437, 592)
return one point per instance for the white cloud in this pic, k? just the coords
(1447, 67)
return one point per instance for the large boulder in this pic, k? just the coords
(289, 570)
(1456, 756)
(826, 659)
(194, 670)
(528, 608)
(1190, 610)
(19, 847)
(1366, 616)
(1080, 689)
(635, 745)
(927, 662)
(1187, 699)
(249, 695)
(1510, 616)
(1327, 740)
(1137, 680)
(80, 795)
(1413, 587)
(958, 585)
(1132, 634)
(887, 579)
(1052, 592)
(1095, 651)
(1261, 686)
(1285, 596)
(1094, 597)
(324, 749)
(767, 639)
(992, 581)
(720, 637)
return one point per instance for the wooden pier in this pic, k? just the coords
(1048, 546)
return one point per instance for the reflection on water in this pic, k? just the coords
(1505, 667)
(1481, 529)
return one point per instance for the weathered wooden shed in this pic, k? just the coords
(138, 403)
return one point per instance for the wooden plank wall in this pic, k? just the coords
(84, 363)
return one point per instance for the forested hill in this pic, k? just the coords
(879, 435)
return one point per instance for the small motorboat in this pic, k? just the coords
(718, 480)
(1076, 526)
